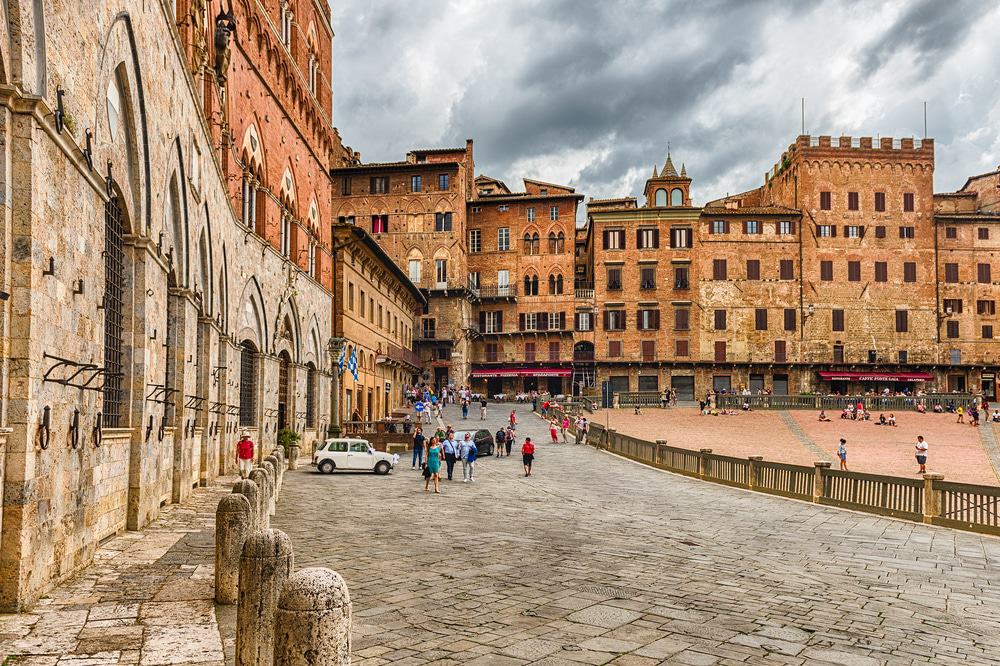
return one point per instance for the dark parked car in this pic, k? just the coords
(485, 446)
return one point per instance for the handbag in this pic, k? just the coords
(427, 472)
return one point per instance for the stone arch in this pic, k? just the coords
(313, 352)
(287, 330)
(173, 232)
(252, 318)
(253, 150)
(203, 281)
(660, 197)
(223, 289)
(677, 197)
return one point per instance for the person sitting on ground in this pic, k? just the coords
(892, 420)
(921, 409)
(881, 420)
(845, 413)
(866, 415)
(937, 408)
(823, 417)
(638, 410)
(996, 416)
(746, 405)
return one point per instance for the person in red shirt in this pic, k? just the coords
(527, 455)
(244, 454)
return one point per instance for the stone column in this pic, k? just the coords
(334, 347)
(754, 470)
(272, 479)
(660, 445)
(312, 626)
(259, 476)
(265, 565)
(233, 522)
(293, 456)
(818, 479)
(276, 465)
(611, 438)
(702, 463)
(932, 497)
(252, 492)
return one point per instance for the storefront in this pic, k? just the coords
(494, 381)
(859, 383)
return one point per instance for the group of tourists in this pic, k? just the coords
(920, 453)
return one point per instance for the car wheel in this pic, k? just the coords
(327, 467)
(382, 468)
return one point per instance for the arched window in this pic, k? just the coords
(311, 380)
(560, 243)
(552, 242)
(527, 286)
(552, 283)
(531, 285)
(248, 384)
(284, 364)
(535, 243)
(114, 298)
(676, 197)
(527, 243)
(559, 284)
(660, 198)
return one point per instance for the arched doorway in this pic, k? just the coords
(284, 365)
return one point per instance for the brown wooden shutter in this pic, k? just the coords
(607, 320)
(638, 238)
(542, 321)
(482, 322)
(607, 240)
(656, 238)
(500, 321)
(746, 227)
(520, 321)
(656, 319)
(562, 320)
(725, 226)
(833, 230)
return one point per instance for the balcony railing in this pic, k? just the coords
(400, 355)
(585, 294)
(497, 291)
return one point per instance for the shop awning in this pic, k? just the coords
(833, 376)
(490, 373)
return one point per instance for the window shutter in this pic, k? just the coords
(562, 320)
(861, 231)
(520, 321)
(543, 321)
(607, 320)
(791, 225)
(606, 239)
(482, 322)
(656, 238)
(656, 319)
(833, 230)
(746, 227)
(725, 226)
(638, 238)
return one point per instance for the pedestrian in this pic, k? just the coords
(565, 428)
(450, 449)
(468, 456)
(513, 420)
(244, 454)
(664, 399)
(921, 452)
(578, 424)
(527, 455)
(554, 430)
(842, 454)
(500, 437)
(961, 414)
(465, 409)
(432, 471)
(418, 448)
(482, 408)
(508, 440)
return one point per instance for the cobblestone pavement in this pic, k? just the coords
(147, 599)
(599, 560)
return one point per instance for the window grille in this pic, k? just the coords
(114, 279)
(248, 384)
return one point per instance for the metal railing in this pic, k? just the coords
(929, 500)
(400, 355)
(497, 291)
(639, 398)
(838, 403)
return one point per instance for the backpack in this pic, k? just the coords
(473, 452)
(501, 436)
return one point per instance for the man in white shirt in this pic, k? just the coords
(921, 452)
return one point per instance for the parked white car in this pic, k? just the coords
(352, 454)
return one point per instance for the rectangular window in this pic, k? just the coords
(503, 208)
(786, 269)
(681, 277)
(720, 320)
(719, 227)
(553, 213)
(503, 282)
(880, 231)
(753, 269)
(983, 233)
(475, 241)
(718, 269)
(988, 331)
(345, 186)
(350, 288)
(614, 278)
(531, 213)
(838, 353)
(951, 233)
(379, 184)
(760, 319)
(503, 239)
(441, 271)
(853, 201)
(881, 271)
(415, 271)
(826, 271)
(986, 307)
(614, 320)
(951, 273)
(648, 320)
(952, 329)
(614, 239)
(427, 328)
(854, 271)
(786, 228)
(553, 351)
(825, 200)
(789, 319)
(584, 321)
(416, 183)
(442, 221)
(380, 224)
(682, 319)
(647, 238)
(983, 274)
(492, 352)
(444, 180)
(529, 351)
(681, 347)
(902, 321)
(909, 271)
(880, 202)
(556, 320)
(854, 231)
(907, 232)
(474, 280)
(908, 202)
(780, 350)
(720, 351)
(647, 277)
(826, 230)
(648, 349)
(751, 227)
(529, 321)
(680, 237)
(615, 348)
(837, 320)
(952, 306)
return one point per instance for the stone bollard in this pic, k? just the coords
(818, 483)
(252, 492)
(276, 465)
(279, 453)
(265, 565)
(661, 450)
(293, 456)
(753, 476)
(932, 498)
(702, 466)
(272, 478)
(312, 626)
(259, 476)
(233, 522)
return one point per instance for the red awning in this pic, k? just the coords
(521, 372)
(832, 376)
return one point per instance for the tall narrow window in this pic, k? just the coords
(444, 180)
(909, 271)
(753, 269)
(880, 202)
(786, 269)
(286, 235)
(902, 321)
(853, 201)
(503, 239)
(441, 272)
(114, 298)
(826, 271)
(983, 274)
(311, 380)
(837, 320)
(760, 319)
(475, 241)
(908, 202)
(824, 201)
(248, 384)
(881, 271)
(718, 269)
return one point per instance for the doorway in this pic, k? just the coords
(722, 383)
(494, 385)
(756, 384)
(683, 386)
(555, 385)
(781, 385)
(440, 378)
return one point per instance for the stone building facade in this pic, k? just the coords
(374, 313)
(147, 322)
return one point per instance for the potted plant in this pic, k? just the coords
(288, 438)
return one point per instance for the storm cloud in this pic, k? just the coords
(590, 93)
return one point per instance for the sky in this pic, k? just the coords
(589, 93)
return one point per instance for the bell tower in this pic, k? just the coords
(668, 189)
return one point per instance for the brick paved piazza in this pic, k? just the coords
(599, 560)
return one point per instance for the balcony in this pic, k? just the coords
(400, 356)
(584, 294)
(490, 291)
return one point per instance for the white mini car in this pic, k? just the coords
(354, 455)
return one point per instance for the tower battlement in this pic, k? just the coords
(854, 148)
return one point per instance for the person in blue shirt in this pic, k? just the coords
(450, 448)
(467, 450)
